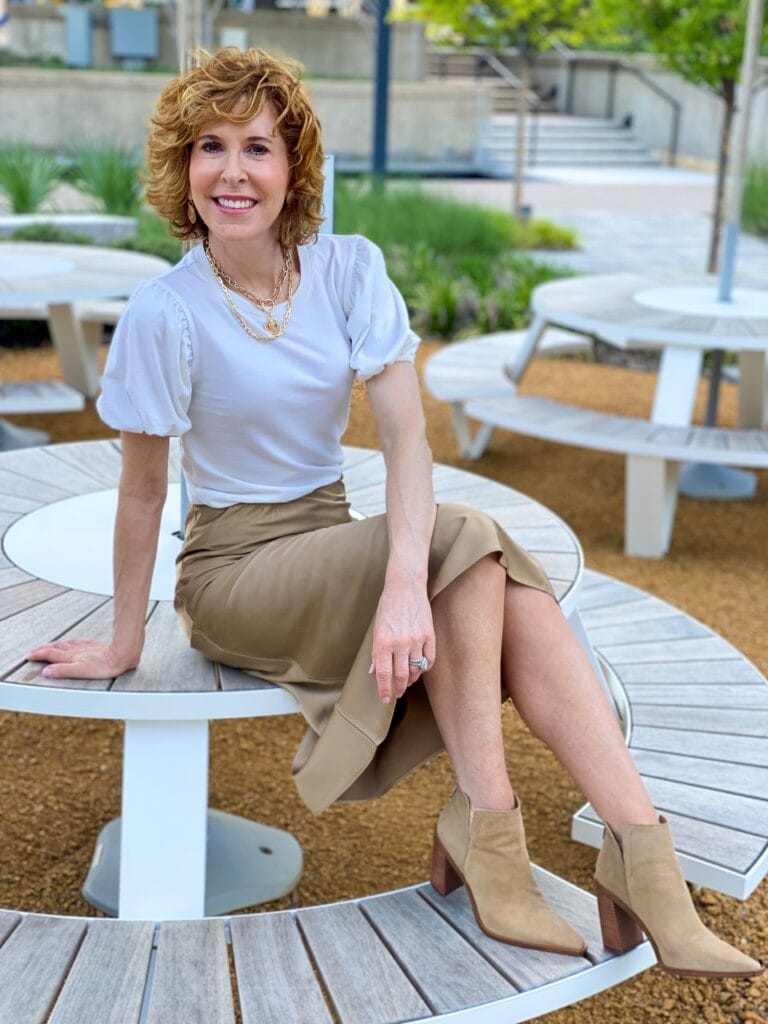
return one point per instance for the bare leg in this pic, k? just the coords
(486, 625)
(553, 686)
(468, 618)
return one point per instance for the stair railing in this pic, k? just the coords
(616, 65)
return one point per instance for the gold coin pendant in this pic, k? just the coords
(272, 326)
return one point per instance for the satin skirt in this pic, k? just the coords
(289, 593)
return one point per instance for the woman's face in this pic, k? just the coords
(238, 178)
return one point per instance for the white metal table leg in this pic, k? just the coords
(77, 346)
(170, 856)
(650, 500)
(676, 386)
(163, 833)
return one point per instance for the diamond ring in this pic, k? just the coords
(421, 663)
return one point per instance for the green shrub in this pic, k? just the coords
(152, 237)
(109, 174)
(50, 233)
(27, 176)
(755, 209)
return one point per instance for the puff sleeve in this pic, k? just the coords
(377, 319)
(147, 383)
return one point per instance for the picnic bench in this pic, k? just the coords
(478, 368)
(654, 453)
(401, 956)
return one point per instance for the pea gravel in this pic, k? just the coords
(60, 778)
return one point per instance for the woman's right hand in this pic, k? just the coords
(81, 659)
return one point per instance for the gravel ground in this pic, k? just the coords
(60, 778)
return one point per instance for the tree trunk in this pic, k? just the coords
(729, 97)
(522, 119)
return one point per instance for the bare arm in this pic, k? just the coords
(143, 485)
(403, 627)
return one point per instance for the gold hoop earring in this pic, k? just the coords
(191, 212)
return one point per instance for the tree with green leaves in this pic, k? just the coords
(527, 26)
(703, 42)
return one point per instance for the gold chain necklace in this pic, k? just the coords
(275, 328)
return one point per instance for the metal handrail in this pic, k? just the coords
(572, 59)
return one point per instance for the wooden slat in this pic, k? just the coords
(746, 780)
(732, 669)
(737, 812)
(33, 964)
(705, 695)
(26, 487)
(237, 679)
(599, 591)
(192, 983)
(670, 627)
(101, 460)
(26, 595)
(10, 576)
(40, 465)
(709, 842)
(448, 971)
(634, 610)
(713, 745)
(108, 976)
(96, 626)
(168, 664)
(15, 503)
(673, 650)
(720, 720)
(8, 921)
(40, 624)
(349, 954)
(523, 968)
(275, 979)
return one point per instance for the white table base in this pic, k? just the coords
(177, 859)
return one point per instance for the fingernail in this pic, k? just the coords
(47, 672)
(385, 700)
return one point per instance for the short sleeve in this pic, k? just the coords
(147, 385)
(377, 318)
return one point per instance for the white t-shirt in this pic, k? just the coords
(258, 421)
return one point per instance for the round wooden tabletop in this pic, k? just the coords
(173, 681)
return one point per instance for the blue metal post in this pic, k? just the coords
(381, 95)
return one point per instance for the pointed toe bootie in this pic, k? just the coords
(640, 888)
(486, 851)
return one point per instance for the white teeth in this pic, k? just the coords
(236, 204)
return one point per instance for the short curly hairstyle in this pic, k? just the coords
(233, 85)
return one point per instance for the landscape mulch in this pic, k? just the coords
(60, 778)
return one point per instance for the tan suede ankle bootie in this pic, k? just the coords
(641, 889)
(486, 851)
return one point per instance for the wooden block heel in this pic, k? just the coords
(620, 931)
(443, 876)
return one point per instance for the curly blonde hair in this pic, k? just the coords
(233, 85)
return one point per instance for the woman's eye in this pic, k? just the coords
(257, 149)
(210, 147)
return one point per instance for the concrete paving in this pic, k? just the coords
(648, 220)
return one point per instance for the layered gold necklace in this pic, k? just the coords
(228, 285)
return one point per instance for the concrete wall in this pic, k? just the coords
(429, 121)
(333, 46)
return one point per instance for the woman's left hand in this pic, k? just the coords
(402, 632)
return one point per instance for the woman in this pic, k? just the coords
(393, 633)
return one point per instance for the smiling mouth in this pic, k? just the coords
(234, 204)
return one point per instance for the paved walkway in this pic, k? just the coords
(644, 220)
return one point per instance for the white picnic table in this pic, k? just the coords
(682, 317)
(45, 281)
(55, 580)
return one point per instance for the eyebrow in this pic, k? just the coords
(251, 138)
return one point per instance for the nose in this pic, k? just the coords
(233, 169)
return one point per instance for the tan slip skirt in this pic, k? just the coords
(289, 592)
